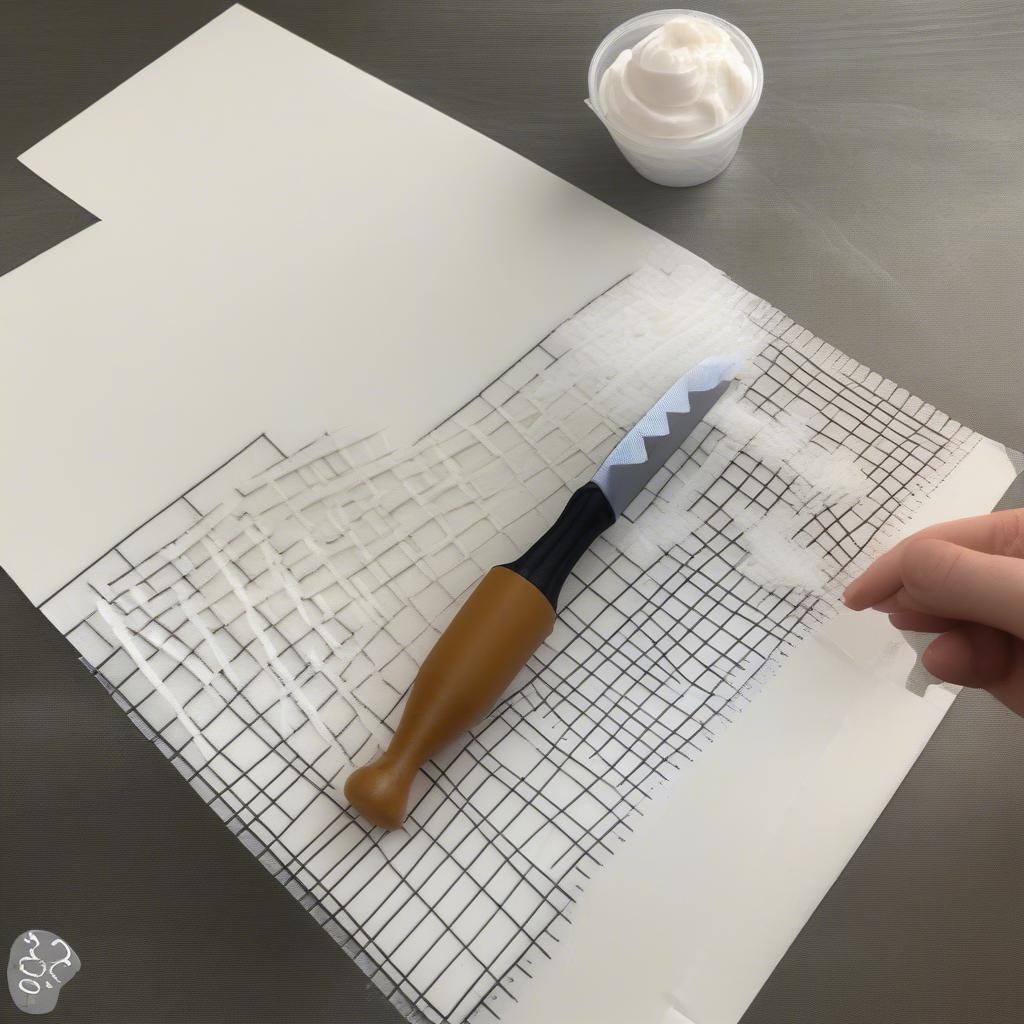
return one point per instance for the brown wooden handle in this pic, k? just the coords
(473, 662)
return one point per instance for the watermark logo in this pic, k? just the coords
(40, 965)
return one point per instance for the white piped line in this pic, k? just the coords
(252, 617)
(124, 637)
(286, 579)
(157, 634)
(163, 640)
(357, 592)
(371, 725)
(187, 603)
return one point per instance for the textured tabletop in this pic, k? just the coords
(876, 199)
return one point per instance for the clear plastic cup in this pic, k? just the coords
(676, 162)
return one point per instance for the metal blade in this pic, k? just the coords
(663, 428)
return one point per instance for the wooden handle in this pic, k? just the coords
(490, 639)
(483, 649)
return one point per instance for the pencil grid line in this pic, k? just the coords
(288, 620)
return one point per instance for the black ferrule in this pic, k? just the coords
(548, 563)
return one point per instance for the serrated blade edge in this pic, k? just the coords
(661, 430)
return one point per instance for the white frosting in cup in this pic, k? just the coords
(682, 80)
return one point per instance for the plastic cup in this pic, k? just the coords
(676, 162)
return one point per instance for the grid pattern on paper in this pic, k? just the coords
(286, 623)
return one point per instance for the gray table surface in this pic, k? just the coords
(877, 198)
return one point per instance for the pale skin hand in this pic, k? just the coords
(965, 581)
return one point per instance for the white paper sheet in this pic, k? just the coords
(276, 223)
(288, 246)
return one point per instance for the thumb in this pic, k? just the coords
(960, 583)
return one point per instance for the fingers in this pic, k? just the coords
(970, 655)
(920, 622)
(997, 533)
(902, 602)
(954, 582)
(978, 656)
(964, 580)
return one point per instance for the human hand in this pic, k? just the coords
(964, 580)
